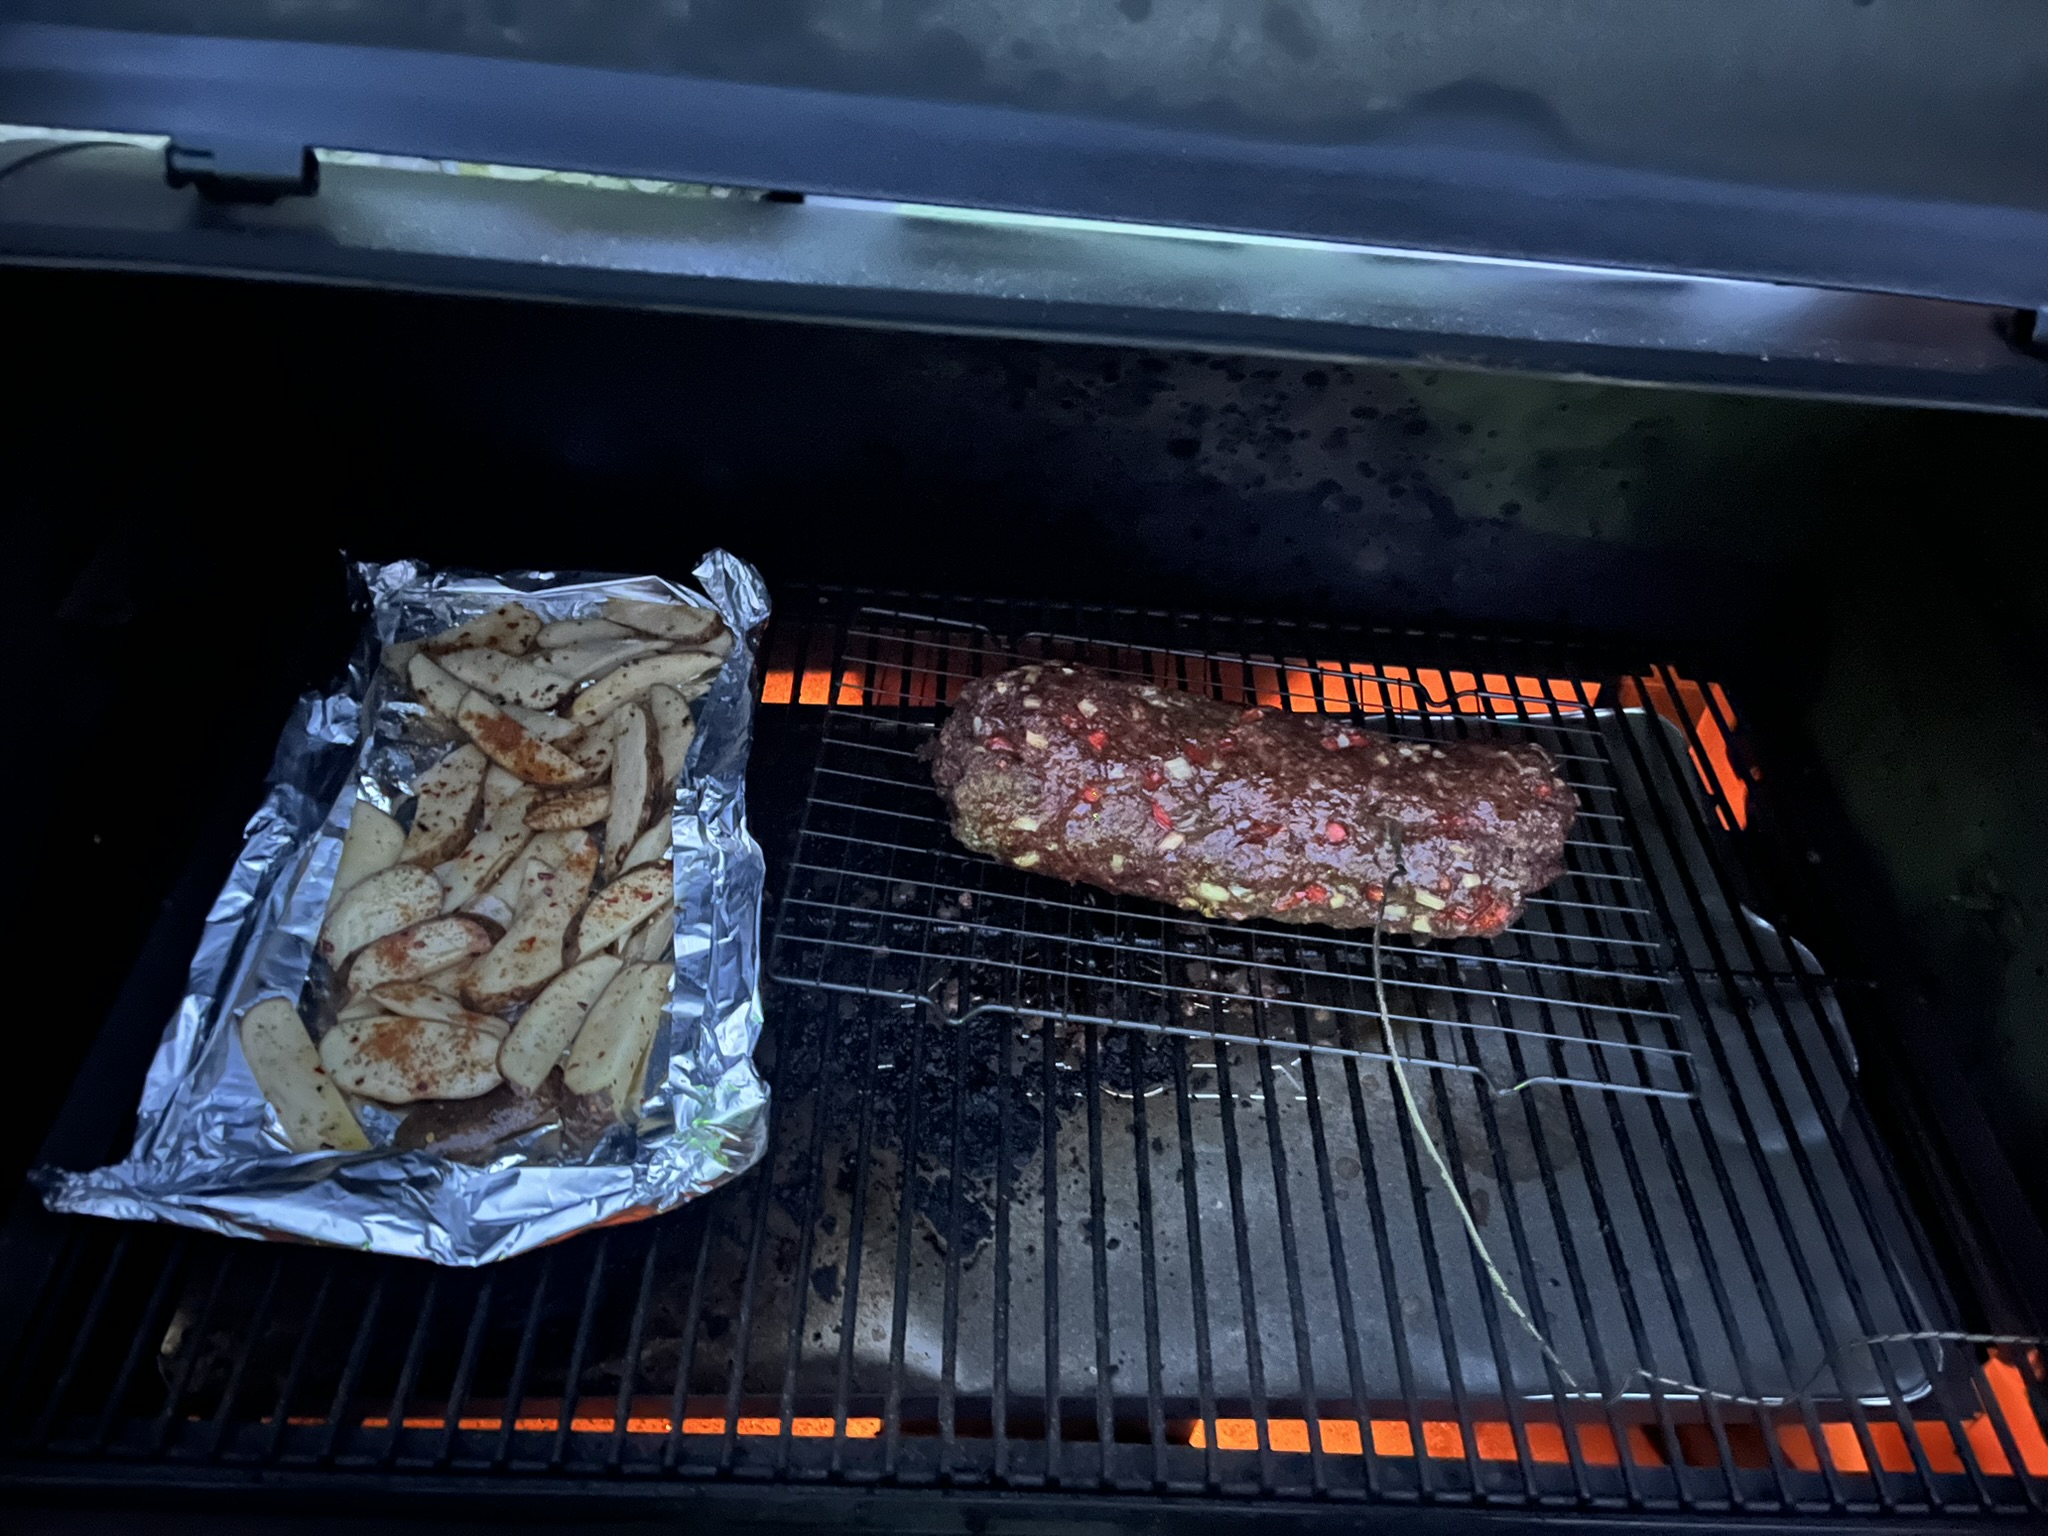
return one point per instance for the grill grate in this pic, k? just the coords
(1067, 1192)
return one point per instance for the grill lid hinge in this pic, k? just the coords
(232, 170)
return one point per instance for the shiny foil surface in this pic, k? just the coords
(209, 1151)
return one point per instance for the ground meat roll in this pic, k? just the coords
(1248, 813)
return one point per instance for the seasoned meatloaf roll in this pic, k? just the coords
(1245, 813)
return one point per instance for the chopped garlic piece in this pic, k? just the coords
(1025, 860)
(1178, 769)
(1035, 739)
(1421, 923)
(1431, 900)
(1208, 890)
(1171, 841)
(1088, 708)
(1470, 881)
(1024, 823)
(1116, 863)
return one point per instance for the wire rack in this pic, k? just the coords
(883, 902)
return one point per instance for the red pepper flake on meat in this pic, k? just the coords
(1001, 744)
(1091, 795)
(1199, 755)
(1226, 743)
(1159, 815)
(1336, 831)
(1308, 895)
(1099, 740)
(1152, 776)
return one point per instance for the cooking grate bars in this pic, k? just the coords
(1067, 1194)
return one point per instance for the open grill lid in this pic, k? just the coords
(1878, 149)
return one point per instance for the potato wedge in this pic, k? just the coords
(365, 1007)
(418, 951)
(625, 683)
(507, 679)
(499, 901)
(416, 1000)
(500, 786)
(671, 621)
(434, 687)
(372, 843)
(387, 901)
(650, 845)
(576, 662)
(516, 749)
(510, 627)
(633, 784)
(401, 1061)
(547, 727)
(621, 907)
(618, 1030)
(287, 1067)
(580, 632)
(656, 939)
(470, 1130)
(492, 849)
(594, 750)
(673, 732)
(530, 954)
(451, 794)
(570, 808)
(546, 1028)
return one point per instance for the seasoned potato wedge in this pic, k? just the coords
(656, 939)
(625, 683)
(618, 1030)
(577, 662)
(633, 784)
(418, 951)
(671, 621)
(621, 907)
(547, 727)
(530, 954)
(507, 679)
(501, 899)
(546, 1028)
(372, 843)
(580, 632)
(593, 750)
(416, 1000)
(492, 849)
(287, 1068)
(516, 749)
(401, 1061)
(650, 845)
(470, 1130)
(510, 628)
(570, 808)
(451, 794)
(383, 903)
(434, 687)
(673, 731)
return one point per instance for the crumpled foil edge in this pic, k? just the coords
(207, 1151)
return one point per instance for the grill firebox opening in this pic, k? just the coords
(1067, 1192)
